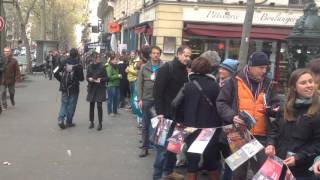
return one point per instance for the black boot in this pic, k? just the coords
(12, 100)
(143, 153)
(0, 109)
(61, 125)
(99, 127)
(69, 125)
(91, 125)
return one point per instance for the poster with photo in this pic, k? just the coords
(169, 45)
(201, 142)
(243, 154)
(236, 136)
(270, 170)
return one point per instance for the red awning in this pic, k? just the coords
(143, 29)
(225, 31)
(140, 29)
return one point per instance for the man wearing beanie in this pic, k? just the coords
(251, 91)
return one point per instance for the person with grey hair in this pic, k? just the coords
(213, 57)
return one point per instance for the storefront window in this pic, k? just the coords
(233, 48)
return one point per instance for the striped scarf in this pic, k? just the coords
(249, 79)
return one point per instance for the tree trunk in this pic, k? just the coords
(27, 45)
(244, 47)
(43, 19)
(23, 23)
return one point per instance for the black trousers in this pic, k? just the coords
(91, 114)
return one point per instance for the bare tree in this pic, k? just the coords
(23, 25)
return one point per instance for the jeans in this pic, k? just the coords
(146, 122)
(68, 107)
(165, 162)
(113, 99)
(11, 89)
(132, 86)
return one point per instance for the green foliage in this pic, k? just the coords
(61, 18)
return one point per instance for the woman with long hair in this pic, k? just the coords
(296, 138)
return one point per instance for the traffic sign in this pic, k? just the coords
(1, 23)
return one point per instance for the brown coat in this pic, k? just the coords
(11, 72)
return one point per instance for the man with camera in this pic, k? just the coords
(250, 91)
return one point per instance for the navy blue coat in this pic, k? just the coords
(195, 109)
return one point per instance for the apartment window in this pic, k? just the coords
(297, 2)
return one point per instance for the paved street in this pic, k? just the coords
(38, 150)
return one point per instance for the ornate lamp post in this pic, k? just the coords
(304, 41)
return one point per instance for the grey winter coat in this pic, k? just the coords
(145, 83)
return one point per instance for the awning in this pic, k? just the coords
(227, 31)
(143, 29)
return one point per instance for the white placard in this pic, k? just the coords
(244, 154)
(201, 142)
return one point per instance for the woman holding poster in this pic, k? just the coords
(196, 102)
(297, 136)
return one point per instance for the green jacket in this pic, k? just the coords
(113, 76)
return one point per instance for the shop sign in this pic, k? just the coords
(113, 27)
(236, 16)
(148, 15)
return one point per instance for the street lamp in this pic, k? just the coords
(304, 41)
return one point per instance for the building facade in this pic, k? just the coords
(205, 25)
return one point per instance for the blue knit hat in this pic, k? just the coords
(230, 65)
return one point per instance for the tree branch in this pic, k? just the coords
(29, 11)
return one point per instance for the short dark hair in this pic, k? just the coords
(145, 53)
(182, 48)
(157, 48)
(201, 65)
(74, 53)
(314, 66)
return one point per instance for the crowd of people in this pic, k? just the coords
(203, 93)
(192, 95)
(206, 92)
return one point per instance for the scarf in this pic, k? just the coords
(254, 84)
(301, 103)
